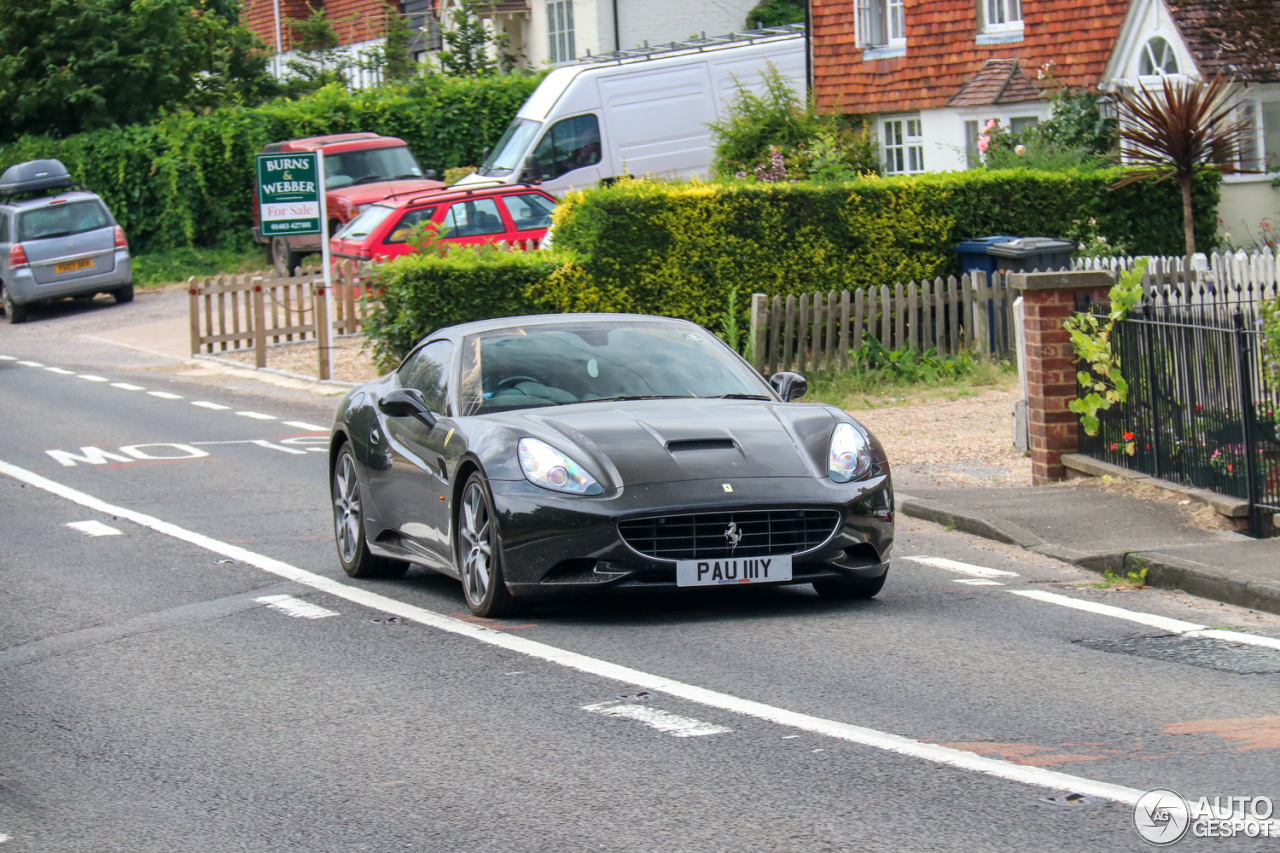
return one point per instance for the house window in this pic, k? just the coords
(1271, 134)
(1001, 14)
(881, 23)
(1251, 158)
(903, 145)
(560, 31)
(1020, 123)
(1158, 58)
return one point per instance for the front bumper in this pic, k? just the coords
(557, 545)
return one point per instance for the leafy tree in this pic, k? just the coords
(1178, 130)
(397, 64)
(73, 65)
(774, 13)
(468, 42)
(314, 43)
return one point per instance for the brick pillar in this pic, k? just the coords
(1048, 299)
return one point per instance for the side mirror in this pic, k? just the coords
(790, 386)
(406, 403)
(430, 174)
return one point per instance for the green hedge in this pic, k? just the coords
(423, 292)
(188, 179)
(678, 249)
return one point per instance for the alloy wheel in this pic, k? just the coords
(346, 509)
(477, 544)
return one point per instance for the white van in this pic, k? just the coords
(637, 112)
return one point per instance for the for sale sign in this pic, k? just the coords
(289, 194)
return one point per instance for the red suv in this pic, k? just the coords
(359, 168)
(510, 212)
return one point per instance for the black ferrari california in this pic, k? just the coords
(542, 456)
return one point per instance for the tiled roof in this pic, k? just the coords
(1001, 81)
(943, 55)
(1240, 38)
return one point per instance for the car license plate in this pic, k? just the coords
(733, 570)
(72, 266)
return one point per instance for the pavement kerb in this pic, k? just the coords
(320, 386)
(1163, 570)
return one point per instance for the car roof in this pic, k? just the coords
(497, 323)
(454, 193)
(50, 198)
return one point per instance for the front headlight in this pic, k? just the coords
(850, 454)
(547, 467)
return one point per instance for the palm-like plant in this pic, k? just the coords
(1179, 129)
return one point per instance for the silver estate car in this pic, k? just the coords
(56, 240)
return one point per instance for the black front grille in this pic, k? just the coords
(706, 536)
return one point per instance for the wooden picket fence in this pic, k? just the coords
(1224, 277)
(254, 310)
(818, 331)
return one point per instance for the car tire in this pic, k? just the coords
(348, 525)
(13, 312)
(123, 294)
(847, 589)
(282, 256)
(478, 546)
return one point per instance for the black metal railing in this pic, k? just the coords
(1202, 406)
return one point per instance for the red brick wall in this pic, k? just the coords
(1076, 35)
(353, 20)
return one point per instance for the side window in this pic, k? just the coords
(428, 371)
(568, 144)
(529, 211)
(473, 218)
(400, 233)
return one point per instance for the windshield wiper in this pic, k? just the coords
(738, 397)
(640, 397)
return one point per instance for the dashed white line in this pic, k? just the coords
(205, 404)
(963, 568)
(977, 582)
(61, 371)
(291, 606)
(89, 377)
(656, 718)
(8, 358)
(257, 416)
(308, 427)
(125, 386)
(164, 395)
(1037, 776)
(30, 364)
(93, 528)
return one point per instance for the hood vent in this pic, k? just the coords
(702, 444)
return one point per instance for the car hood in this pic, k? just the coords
(369, 193)
(641, 442)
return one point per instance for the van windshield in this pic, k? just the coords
(506, 156)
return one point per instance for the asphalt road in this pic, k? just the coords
(184, 667)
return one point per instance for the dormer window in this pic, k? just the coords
(1158, 59)
(881, 24)
(999, 21)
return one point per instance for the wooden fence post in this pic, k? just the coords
(193, 291)
(259, 324)
(321, 310)
(759, 330)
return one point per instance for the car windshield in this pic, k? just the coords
(62, 220)
(364, 224)
(364, 167)
(519, 368)
(506, 155)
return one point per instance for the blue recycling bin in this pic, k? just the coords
(974, 255)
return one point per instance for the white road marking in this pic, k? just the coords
(656, 718)
(963, 568)
(31, 364)
(164, 395)
(291, 606)
(8, 358)
(977, 582)
(61, 371)
(204, 404)
(125, 386)
(308, 427)
(897, 744)
(89, 377)
(257, 416)
(1164, 623)
(260, 442)
(3, 838)
(93, 528)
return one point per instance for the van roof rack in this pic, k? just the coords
(703, 42)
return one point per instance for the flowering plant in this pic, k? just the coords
(1103, 385)
(1269, 323)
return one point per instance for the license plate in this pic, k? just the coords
(733, 570)
(72, 266)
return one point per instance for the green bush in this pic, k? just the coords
(679, 249)
(423, 292)
(187, 179)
